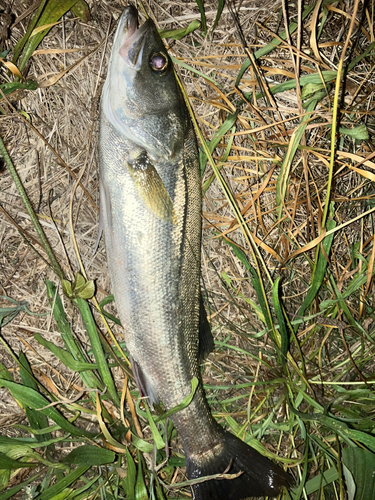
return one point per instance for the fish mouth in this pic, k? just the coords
(132, 37)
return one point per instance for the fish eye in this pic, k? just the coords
(159, 62)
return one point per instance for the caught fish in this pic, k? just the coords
(150, 210)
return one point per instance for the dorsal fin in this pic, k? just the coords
(206, 341)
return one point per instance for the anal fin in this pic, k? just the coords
(144, 385)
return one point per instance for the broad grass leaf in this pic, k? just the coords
(80, 9)
(89, 378)
(350, 483)
(9, 463)
(8, 88)
(359, 133)
(60, 486)
(32, 399)
(90, 455)
(255, 280)
(361, 464)
(184, 403)
(319, 481)
(36, 419)
(311, 79)
(65, 356)
(181, 32)
(131, 476)
(140, 487)
(92, 332)
(141, 444)
(159, 441)
(5, 373)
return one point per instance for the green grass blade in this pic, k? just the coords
(11, 492)
(51, 12)
(131, 476)
(28, 397)
(104, 302)
(9, 88)
(319, 481)
(255, 281)
(223, 159)
(159, 441)
(203, 16)
(275, 42)
(140, 487)
(89, 378)
(283, 348)
(181, 32)
(220, 8)
(321, 267)
(369, 52)
(90, 455)
(36, 419)
(9, 463)
(361, 464)
(193, 70)
(63, 483)
(184, 403)
(227, 125)
(282, 179)
(16, 179)
(90, 326)
(20, 45)
(65, 356)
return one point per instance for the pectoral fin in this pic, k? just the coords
(150, 187)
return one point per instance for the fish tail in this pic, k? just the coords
(259, 476)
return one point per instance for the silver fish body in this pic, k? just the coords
(150, 202)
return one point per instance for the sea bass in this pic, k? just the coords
(150, 210)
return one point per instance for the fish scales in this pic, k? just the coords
(150, 211)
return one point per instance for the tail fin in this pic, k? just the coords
(260, 477)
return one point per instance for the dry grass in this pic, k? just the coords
(51, 133)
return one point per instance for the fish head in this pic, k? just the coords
(141, 97)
